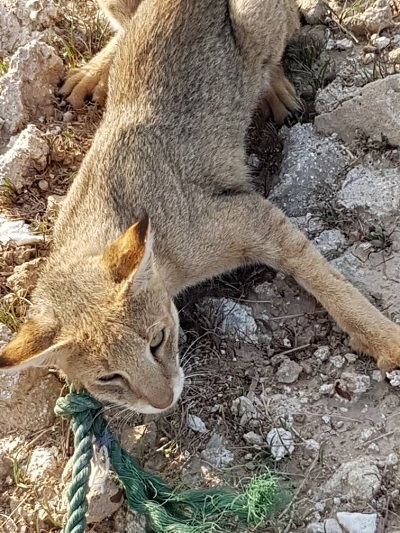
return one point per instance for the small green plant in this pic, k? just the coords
(305, 63)
(4, 66)
(171, 450)
(18, 473)
(331, 215)
(71, 55)
(379, 239)
(41, 226)
(8, 193)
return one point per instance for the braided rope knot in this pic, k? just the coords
(73, 403)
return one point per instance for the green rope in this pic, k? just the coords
(192, 511)
(83, 408)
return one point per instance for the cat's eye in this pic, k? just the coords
(110, 378)
(156, 341)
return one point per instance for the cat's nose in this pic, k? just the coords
(163, 401)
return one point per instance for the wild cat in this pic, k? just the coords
(163, 201)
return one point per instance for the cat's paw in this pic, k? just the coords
(86, 82)
(384, 347)
(281, 96)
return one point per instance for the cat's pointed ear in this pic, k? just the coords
(34, 345)
(129, 259)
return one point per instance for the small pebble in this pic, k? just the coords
(382, 42)
(43, 185)
(281, 443)
(253, 439)
(311, 446)
(327, 388)
(344, 44)
(196, 424)
(366, 434)
(351, 358)
(377, 376)
(394, 378)
(369, 58)
(288, 372)
(330, 44)
(322, 353)
(254, 161)
(338, 361)
(358, 522)
(68, 116)
(392, 459)
(355, 383)
(332, 526)
(394, 56)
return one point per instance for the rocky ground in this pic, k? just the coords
(265, 363)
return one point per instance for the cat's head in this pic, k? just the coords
(109, 323)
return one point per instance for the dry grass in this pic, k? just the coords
(377, 69)
(12, 309)
(86, 32)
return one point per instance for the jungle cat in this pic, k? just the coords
(163, 200)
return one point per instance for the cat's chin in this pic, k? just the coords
(147, 409)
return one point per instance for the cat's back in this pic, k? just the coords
(179, 74)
